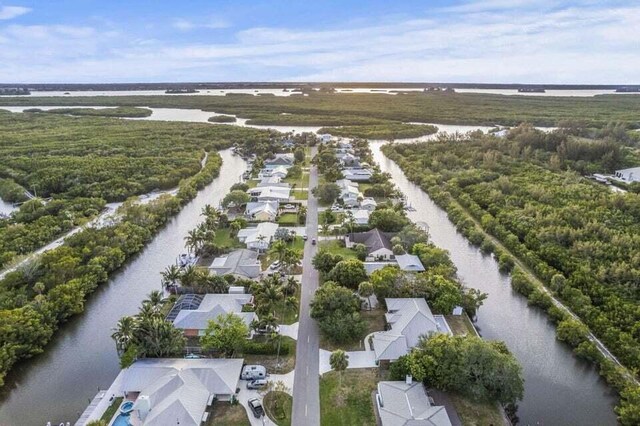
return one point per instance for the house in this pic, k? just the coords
(239, 263)
(371, 267)
(260, 237)
(409, 263)
(288, 143)
(325, 138)
(378, 243)
(192, 312)
(270, 193)
(407, 403)
(409, 318)
(262, 210)
(349, 192)
(349, 160)
(360, 217)
(368, 203)
(628, 175)
(271, 180)
(178, 389)
(357, 175)
(344, 145)
(285, 160)
(280, 172)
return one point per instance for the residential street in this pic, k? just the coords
(306, 391)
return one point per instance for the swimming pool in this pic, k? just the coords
(121, 420)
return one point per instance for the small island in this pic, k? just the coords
(531, 90)
(222, 119)
(180, 91)
(14, 91)
(628, 90)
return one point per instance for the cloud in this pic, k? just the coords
(213, 24)
(579, 43)
(10, 12)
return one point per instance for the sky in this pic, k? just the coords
(463, 41)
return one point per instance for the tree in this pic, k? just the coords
(343, 328)
(398, 249)
(123, 333)
(365, 289)
(327, 193)
(157, 338)
(267, 294)
(226, 334)
(361, 251)
(170, 275)
(194, 240)
(237, 198)
(339, 361)
(480, 369)
(278, 250)
(299, 155)
(154, 300)
(332, 297)
(324, 261)
(388, 220)
(349, 273)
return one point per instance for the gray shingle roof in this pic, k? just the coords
(402, 404)
(374, 239)
(239, 262)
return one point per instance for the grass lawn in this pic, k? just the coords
(252, 183)
(300, 194)
(301, 182)
(223, 239)
(297, 244)
(335, 247)
(460, 324)
(226, 414)
(278, 406)
(108, 414)
(288, 219)
(284, 364)
(375, 322)
(350, 404)
(476, 413)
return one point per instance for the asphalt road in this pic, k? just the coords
(306, 384)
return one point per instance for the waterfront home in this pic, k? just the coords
(378, 244)
(160, 391)
(368, 203)
(278, 171)
(360, 217)
(192, 312)
(284, 160)
(349, 192)
(263, 211)
(407, 403)
(408, 320)
(357, 175)
(628, 175)
(349, 160)
(239, 263)
(260, 237)
(270, 193)
(409, 263)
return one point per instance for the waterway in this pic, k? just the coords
(6, 208)
(559, 388)
(56, 385)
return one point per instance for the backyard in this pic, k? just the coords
(337, 247)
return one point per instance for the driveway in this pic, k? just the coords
(246, 394)
(357, 359)
(306, 395)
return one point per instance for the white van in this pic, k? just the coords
(253, 372)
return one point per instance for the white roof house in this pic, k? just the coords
(361, 217)
(260, 237)
(270, 193)
(325, 138)
(409, 263)
(178, 389)
(628, 175)
(192, 312)
(409, 319)
(349, 192)
(239, 263)
(280, 172)
(404, 404)
(368, 203)
(270, 180)
(262, 210)
(357, 175)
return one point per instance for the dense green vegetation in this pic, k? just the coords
(130, 112)
(11, 192)
(579, 237)
(222, 119)
(382, 131)
(297, 119)
(433, 107)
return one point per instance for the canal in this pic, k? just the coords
(559, 388)
(56, 385)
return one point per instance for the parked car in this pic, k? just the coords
(336, 208)
(257, 384)
(253, 372)
(305, 238)
(256, 407)
(275, 265)
(268, 329)
(313, 241)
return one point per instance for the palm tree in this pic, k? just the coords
(235, 228)
(365, 289)
(291, 259)
(155, 300)
(170, 275)
(158, 338)
(123, 333)
(268, 295)
(279, 250)
(290, 286)
(194, 240)
(351, 221)
(339, 361)
(189, 276)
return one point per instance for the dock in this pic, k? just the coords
(90, 408)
